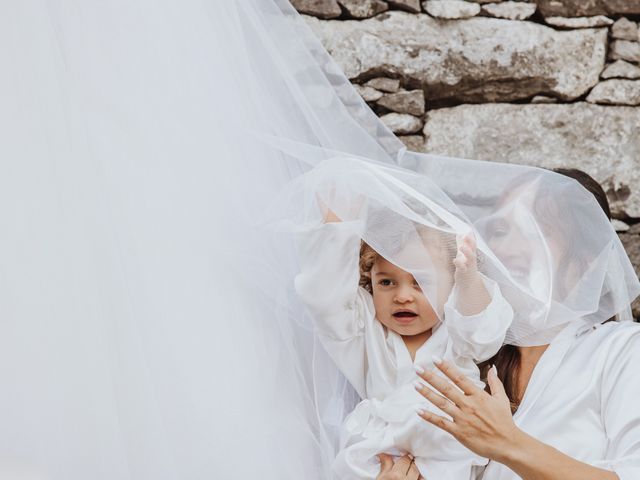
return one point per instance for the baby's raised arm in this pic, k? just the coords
(477, 316)
(328, 284)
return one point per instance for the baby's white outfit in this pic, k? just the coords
(378, 365)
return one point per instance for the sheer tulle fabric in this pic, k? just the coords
(539, 234)
(149, 328)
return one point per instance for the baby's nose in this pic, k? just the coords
(404, 295)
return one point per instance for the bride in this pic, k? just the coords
(148, 326)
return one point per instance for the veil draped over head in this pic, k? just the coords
(540, 235)
(148, 327)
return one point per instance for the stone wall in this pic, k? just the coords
(547, 82)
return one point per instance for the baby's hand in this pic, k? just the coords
(473, 296)
(351, 205)
(466, 261)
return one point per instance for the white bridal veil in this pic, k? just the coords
(148, 327)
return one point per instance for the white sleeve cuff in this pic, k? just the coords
(481, 335)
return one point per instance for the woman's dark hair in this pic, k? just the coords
(507, 360)
(590, 184)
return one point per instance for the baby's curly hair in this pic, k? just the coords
(368, 257)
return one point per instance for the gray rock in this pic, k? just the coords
(404, 102)
(634, 229)
(625, 29)
(621, 69)
(625, 50)
(586, 8)
(579, 22)
(412, 6)
(603, 141)
(414, 143)
(318, 8)
(477, 60)
(368, 94)
(619, 225)
(616, 92)
(401, 123)
(451, 9)
(631, 244)
(509, 10)
(543, 99)
(364, 8)
(389, 85)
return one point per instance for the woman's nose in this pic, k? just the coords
(514, 250)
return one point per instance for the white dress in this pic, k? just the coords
(582, 399)
(378, 364)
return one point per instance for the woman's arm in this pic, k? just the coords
(483, 423)
(524, 458)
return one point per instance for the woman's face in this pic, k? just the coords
(510, 244)
(516, 234)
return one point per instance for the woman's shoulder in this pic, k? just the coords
(620, 331)
(618, 338)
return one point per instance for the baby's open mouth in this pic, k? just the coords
(405, 314)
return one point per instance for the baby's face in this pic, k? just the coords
(400, 304)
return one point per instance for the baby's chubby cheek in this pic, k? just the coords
(425, 319)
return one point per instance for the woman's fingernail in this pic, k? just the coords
(494, 370)
(417, 385)
(419, 370)
(420, 411)
(436, 359)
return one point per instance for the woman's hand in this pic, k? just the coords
(401, 469)
(483, 423)
(480, 421)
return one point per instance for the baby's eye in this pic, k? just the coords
(385, 282)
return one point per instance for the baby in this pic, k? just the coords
(377, 325)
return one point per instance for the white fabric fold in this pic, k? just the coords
(581, 399)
